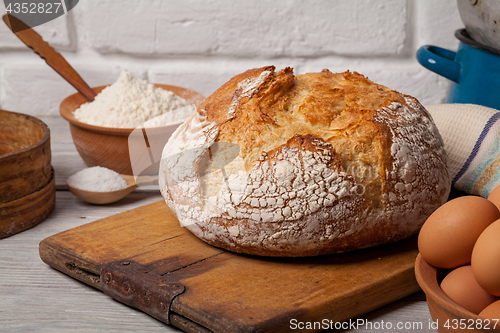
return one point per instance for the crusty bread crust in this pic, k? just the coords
(277, 165)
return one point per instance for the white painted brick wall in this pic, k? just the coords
(55, 32)
(201, 44)
(250, 28)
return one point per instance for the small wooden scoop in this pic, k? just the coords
(55, 60)
(103, 198)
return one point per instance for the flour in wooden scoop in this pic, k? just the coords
(97, 179)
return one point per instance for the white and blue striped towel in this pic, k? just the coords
(471, 134)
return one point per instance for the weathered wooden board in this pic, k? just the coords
(229, 292)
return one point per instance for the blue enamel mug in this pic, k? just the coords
(474, 70)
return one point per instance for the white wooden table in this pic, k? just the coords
(37, 298)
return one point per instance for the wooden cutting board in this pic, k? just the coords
(143, 258)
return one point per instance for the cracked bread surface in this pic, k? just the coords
(274, 164)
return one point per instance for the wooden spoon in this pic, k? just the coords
(54, 59)
(102, 198)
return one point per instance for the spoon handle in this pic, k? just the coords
(54, 59)
(140, 180)
(147, 180)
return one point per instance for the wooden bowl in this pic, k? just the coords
(25, 156)
(28, 211)
(449, 316)
(27, 189)
(107, 146)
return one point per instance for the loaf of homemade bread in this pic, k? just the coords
(274, 164)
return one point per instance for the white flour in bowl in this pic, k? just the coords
(97, 179)
(129, 102)
(173, 117)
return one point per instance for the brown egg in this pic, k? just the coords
(462, 288)
(495, 196)
(448, 236)
(492, 311)
(486, 259)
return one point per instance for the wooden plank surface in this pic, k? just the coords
(37, 298)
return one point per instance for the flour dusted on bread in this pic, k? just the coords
(280, 165)
(131, 101)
